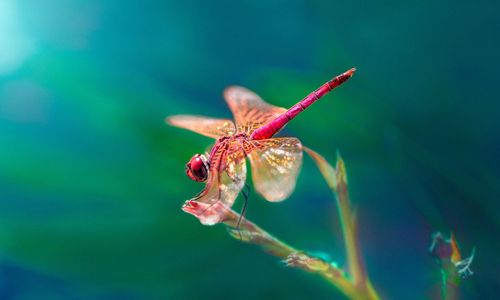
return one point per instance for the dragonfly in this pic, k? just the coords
(275, 161)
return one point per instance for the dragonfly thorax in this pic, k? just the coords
(197, 168)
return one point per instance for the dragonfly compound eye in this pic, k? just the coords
(197, 168)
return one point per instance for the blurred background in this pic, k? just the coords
(92, 180)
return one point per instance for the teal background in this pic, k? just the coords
(92, 180)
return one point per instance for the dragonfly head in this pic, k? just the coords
(197, 168)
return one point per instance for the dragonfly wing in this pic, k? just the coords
(275, 166)
(231, 181)
(249, 110)
(206, 126)
(227, 178)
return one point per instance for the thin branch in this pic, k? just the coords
(336, 179)
(250, 233)
(354, 284)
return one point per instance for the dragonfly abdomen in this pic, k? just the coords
(271, 128)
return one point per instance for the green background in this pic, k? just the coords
(92, 180)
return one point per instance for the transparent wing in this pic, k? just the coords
(206, 126)
(275, 166)
(226, 178)
(249, 110)
(232, 173)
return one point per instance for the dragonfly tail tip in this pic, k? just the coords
(351, 72)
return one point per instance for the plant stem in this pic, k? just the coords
(250, 233)
(337, 181)
(450, 281)
(355, 284)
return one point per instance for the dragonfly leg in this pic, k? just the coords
(246, 194)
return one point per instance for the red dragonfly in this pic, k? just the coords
(275, 161)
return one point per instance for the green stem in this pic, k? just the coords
(336, 179)
(248, 232)
(354, 284)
